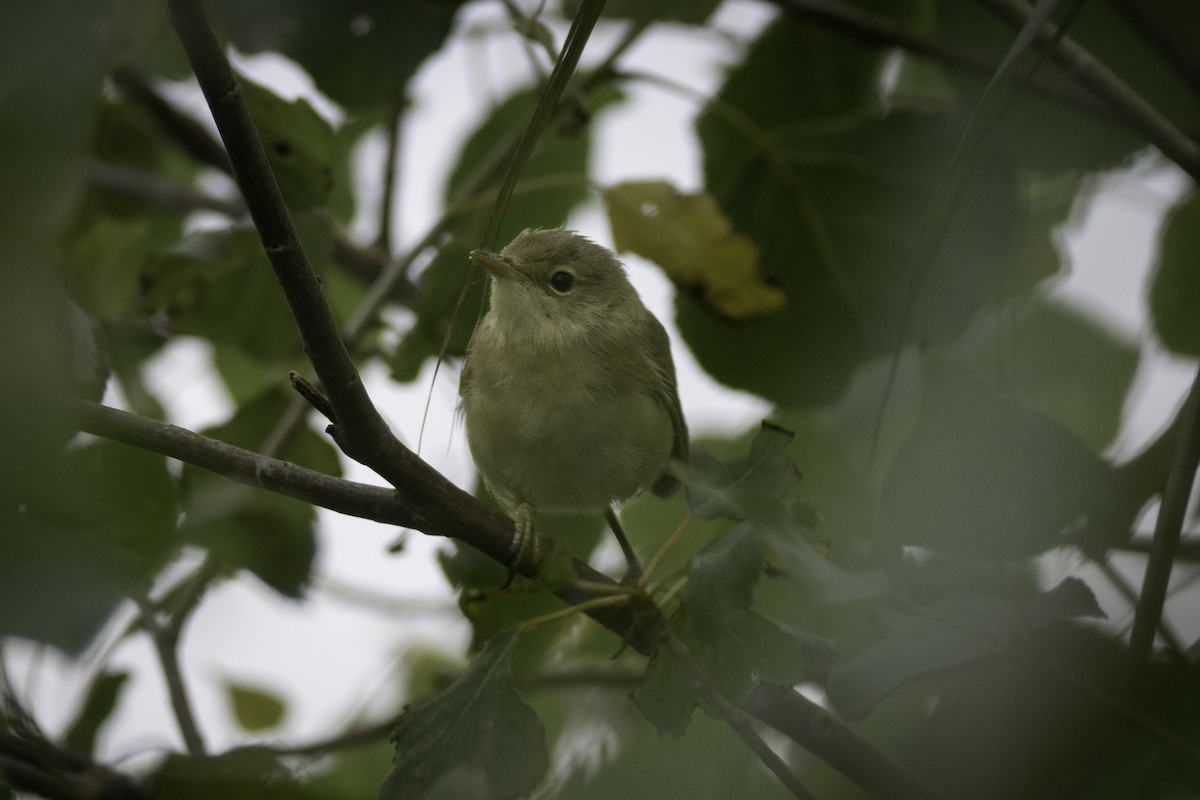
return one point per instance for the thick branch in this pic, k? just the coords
(359, 428)
(1101, 81)
(440, 509)
(822, 734)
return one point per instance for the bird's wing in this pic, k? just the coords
(666, 392)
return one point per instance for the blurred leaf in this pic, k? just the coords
(711, 763)
(266, 533)
(361, 53)
(1055, 360)
(451, 290)
(957, 629)
(736, 646)
(49, 54)
(219, 285)
(478, 730)
(689, 237)
(1043, 131)
(254, 709)
(982, 477)
(98, 705)
(82, 543)
(753, 487)
(245, 773)
(1175, 290)
(102, 270)
(300, 145)
(842, 197)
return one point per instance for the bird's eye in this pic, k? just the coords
(562, 281)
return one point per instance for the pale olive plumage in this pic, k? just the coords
(568, 389)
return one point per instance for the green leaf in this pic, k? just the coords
(266, 533)
(1041, 131)
(103, 267)
(958, 629)
(982, 477)
(1175, 287)
(300, 145)
(753, 487)
(711, 762)
(745, 646)
(101, 700)
(219, 285)
(736, 646)
(246, 773)
(1057, 361)
(82, 543)
(361, 54)
(255, 709)
(49, 60)
(477, 733)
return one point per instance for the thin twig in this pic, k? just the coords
(165, 644)
(383, 239)
(734, 717)
(885, 31)
(1088, 71)
(161, 192)
(1167, 530)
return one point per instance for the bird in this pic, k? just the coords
(568, 389)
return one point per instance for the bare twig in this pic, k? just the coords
(160, 191)
(440, 510)
(1130, 106)
(383, 239)
(166, 645)
(1167, 531)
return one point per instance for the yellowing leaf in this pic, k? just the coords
(255, 709)
(694, 243)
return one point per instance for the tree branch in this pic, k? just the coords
(383, 239)
(829, 739)
(1108, 87)
(360, 430)
(440, 509)
(886, 32)
(487, 530)
(1180, 55)
(161, 192)
(166, 644)
(1167, 530)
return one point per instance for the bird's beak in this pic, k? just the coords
(494, 263)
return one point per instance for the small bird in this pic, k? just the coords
(568, 390)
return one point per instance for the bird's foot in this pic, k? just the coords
(524, 544)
